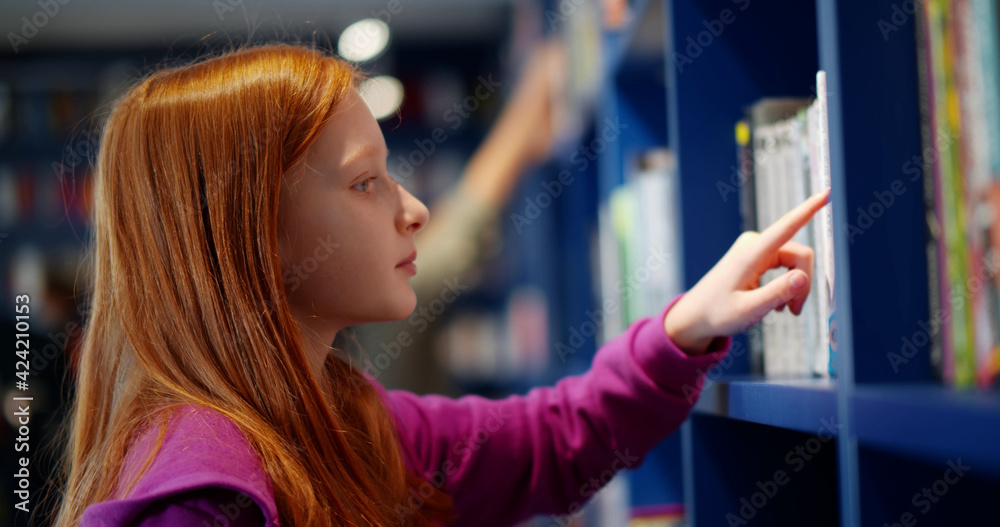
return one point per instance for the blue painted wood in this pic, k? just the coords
(896, 422)
(711, 81)
(875, 133)
(932, 422)
(829, 51)
(900, 490)
(751, 474)
(805, 405)
(658, 481)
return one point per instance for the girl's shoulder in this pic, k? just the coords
(204, 458)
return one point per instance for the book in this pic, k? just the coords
(960, 109)
(824, 239)
(791, 161)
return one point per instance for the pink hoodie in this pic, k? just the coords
(503, 461)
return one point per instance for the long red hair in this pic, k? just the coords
(187, 304)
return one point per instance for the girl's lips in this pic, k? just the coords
(409, 259)
(409, 266)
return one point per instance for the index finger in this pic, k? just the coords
(785, 228)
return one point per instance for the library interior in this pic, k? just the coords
(585, 166)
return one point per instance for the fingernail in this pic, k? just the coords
(798, 281)
(829, 195)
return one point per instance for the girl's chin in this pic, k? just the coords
(403, 307)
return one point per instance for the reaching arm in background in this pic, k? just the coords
(464, 222)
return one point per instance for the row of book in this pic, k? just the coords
(37, 194)
(639, 243)
(783, 157)
(959, 76)
(496, 346)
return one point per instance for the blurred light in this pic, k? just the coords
(363, 40)
(383, 94)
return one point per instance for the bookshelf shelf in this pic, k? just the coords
(930, 422)
(800, 405)
(895, 423)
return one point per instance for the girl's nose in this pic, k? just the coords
(415, 214)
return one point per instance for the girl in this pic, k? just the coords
(208, 393)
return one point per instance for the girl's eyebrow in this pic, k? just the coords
(366, 150)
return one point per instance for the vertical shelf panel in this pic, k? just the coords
(874, 133)
(764, 50)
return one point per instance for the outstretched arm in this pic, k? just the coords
(551, 450)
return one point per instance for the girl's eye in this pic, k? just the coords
(365, 183)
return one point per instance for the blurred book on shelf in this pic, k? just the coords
(639, 239)
(579, 30)
(46, 148)
(783, 158)
(498, 346)
(957, 59)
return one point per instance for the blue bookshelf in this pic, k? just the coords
(859, 449)
(794, 404)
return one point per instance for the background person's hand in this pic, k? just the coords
(525, 130)
(536, 107)
(729, 299)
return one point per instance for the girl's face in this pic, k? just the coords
(344, 226)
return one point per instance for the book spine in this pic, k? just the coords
(763, 147)
(985, 17)
(748, 212)
(935, 249)
(744, 173)
(817, 333)
(976, 169)
(829, 274)
(961, 363)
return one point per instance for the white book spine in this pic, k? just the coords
(826, 212)
(821, 356)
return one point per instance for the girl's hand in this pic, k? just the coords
(728, 299)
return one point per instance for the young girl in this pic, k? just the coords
(208, 393)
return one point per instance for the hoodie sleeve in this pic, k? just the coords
(548, 452)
